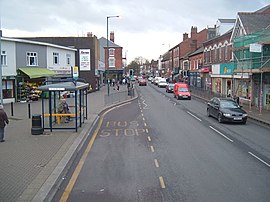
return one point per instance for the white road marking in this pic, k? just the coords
(174, 103)
(193, 116)
(146, 130)
(149, 138)
(221, 134)
(152, 149)
(156, 163)
(162, 184)
(259, 159)
(145, 124)
(143, 118)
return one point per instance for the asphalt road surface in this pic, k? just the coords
(160, 149)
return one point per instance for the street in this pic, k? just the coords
(157, 148)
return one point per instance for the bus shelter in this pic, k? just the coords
(72, 92)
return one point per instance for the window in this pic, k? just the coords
(56, 58)
(215, 55)
(32, 59)
(111, 51)
(226, 52)
(68, 56)
(111, 62)
(206, 57)
(220, 53)
(4, 58)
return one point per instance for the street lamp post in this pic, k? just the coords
(112, 16)
(1, 87)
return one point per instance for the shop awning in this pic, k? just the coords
(36, 72)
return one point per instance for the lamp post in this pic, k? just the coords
(1, 87)
(112, 16)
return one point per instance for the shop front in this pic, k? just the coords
(114, 74)
(28, 80)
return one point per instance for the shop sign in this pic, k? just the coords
(204, 70)
(56, 89)
(255, 48)
(226, 69)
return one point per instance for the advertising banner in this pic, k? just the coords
(85, 63)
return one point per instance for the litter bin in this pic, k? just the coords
(36, 125)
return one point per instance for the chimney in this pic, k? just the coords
(185, 36)
(193, 32)
(89, 34)
(112, 37)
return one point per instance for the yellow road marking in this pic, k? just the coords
(77, 171)
(149, 138)
(156, 163)
(152, 149)
(161, 181)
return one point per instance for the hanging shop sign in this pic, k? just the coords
(75, 72)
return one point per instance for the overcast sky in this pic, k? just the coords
(146, 28)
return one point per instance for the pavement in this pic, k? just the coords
(33, 166)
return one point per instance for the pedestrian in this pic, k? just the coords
(3, 121)
(63, 108)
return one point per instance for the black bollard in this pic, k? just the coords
(11, 106)
(29, 111)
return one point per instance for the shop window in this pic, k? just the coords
(32, 59)
(4, 58)
(7, 89)
(56, 58)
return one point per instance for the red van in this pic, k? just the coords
(181, 91)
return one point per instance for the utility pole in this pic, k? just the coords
(1, 84)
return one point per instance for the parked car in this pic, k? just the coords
(162, 83)
(226, 110)
(150, 78)
(156, 80)
(142, 82)
(181, 91)
(169, 88)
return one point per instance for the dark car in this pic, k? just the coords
(226, 110)
(169, 88)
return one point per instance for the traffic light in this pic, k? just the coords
(131, 72)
